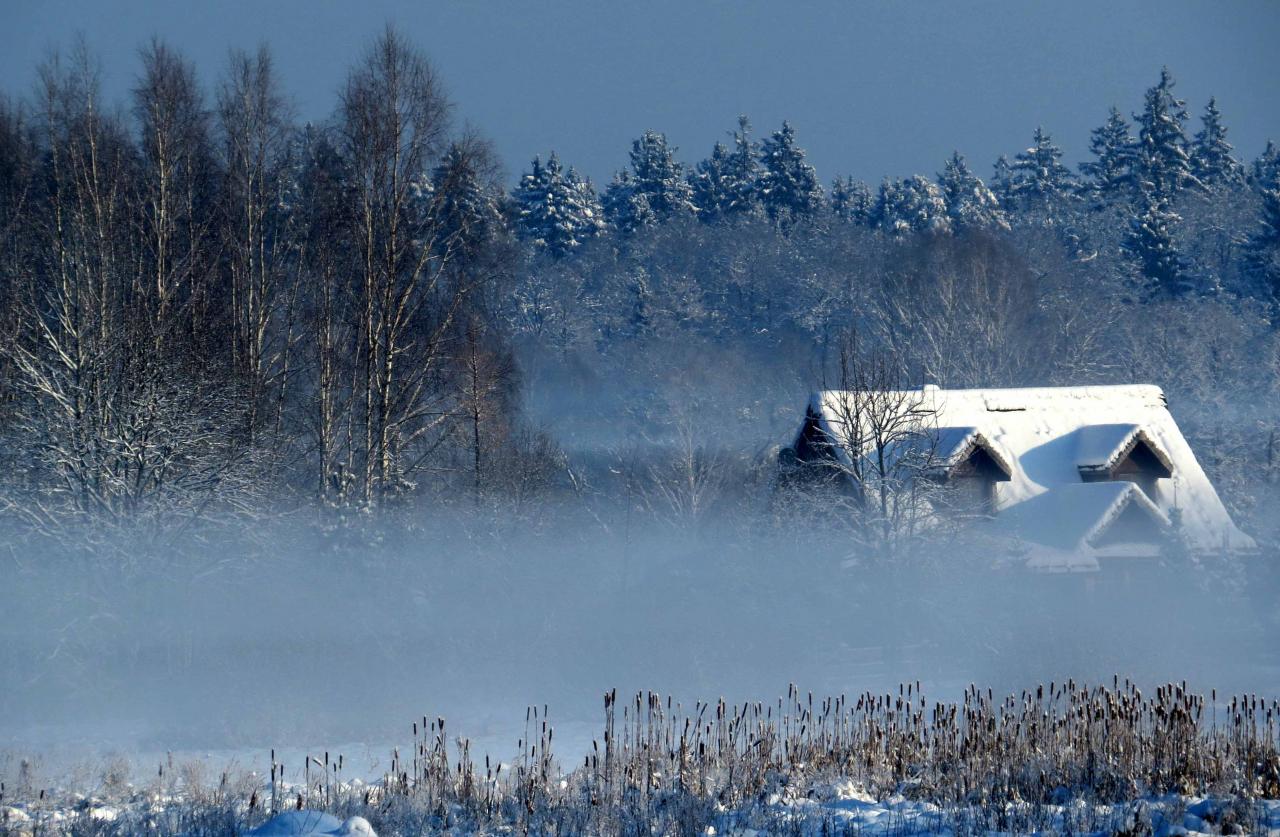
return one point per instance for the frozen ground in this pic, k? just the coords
(832, 807)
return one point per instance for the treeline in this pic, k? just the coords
(1142, 181)
(208, 310)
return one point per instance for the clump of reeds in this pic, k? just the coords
(1109, 743)
(1008, 764)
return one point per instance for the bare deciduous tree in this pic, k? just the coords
(394, 116)
(961, 311)
(873, 468)
(256, 237)
(113, 429)
(689, 476)
(175, 173)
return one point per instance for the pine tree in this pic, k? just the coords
(1265, 171)
(555, 212)
(1163, 160)
(1262, 253)
(625, 207)
(712, 190)
(852, 201)
(658, 178)
(788, 187)
(1151, 245)
(912, 205)
(1037, 177)
(970, 204)
(1110, 173)
(1211, 156)
(724, 184)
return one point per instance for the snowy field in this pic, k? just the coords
(839, 807)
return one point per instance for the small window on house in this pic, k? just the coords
(1138, 462)
(1141, 467)
(973, 481)
(1134, 525)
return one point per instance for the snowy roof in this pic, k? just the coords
(1069, 517)
(954, 444)
(941, 449)
(1099, 447)
(1049, 437)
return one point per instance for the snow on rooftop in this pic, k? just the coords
(1047, 434)
(1069, 516)
(1100, 446)
(944, 447)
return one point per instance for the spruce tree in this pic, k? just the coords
(530, 197)
(1002, 182)
(970, 204)
(1262, 253)
(912, 205)
(1163, 158)
(584, 206)
(1037, 178)
(658, 178)
(1265, 171)
(626, 208)
(712, 194)
(788, 186)
(1211, 156)
(466, 210)
(555, 212)
(1162, 268)
(852, 201)
(724, 184)
(1111, 173)
(743, 172)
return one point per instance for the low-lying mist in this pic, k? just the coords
(304, 635)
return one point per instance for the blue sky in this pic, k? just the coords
(873, 89)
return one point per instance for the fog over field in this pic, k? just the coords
(287, 638)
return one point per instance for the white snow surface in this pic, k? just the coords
(313, 824)
(844, 807)
(807, 809)
(1046, 434)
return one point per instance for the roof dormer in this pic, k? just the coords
(1121, 452)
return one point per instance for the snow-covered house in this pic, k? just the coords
(1068, 475)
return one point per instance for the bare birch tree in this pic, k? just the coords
(394, 117)
(175, 175)
(256, 235)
